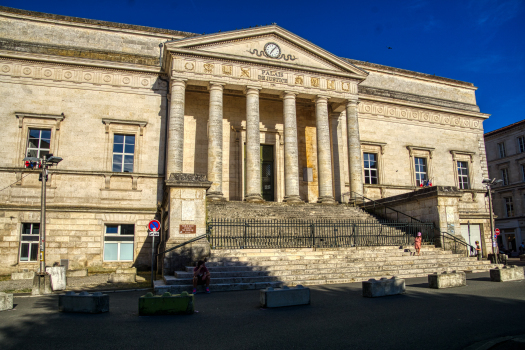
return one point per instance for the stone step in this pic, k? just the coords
(326, 253)
(161, 287)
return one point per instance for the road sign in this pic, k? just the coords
(154, 225)
(497, 231)
(153, 233)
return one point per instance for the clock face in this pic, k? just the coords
(272, 50)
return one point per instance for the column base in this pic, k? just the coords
(254, 197)
(327, 200)
(293, 200)
(215, 197)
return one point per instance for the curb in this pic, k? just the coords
(487, 344)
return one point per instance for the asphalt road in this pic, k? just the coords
(338, 318)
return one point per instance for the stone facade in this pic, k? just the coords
(506, 161)
(205, 108)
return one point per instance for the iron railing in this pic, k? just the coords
(379, 210)
(239, 233)
(456, 245)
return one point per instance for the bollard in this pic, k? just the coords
(83, 302)
(384, 287)
(284, 296)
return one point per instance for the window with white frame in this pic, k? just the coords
(463, 175)
(509, 207)
(38, 143)
(505, 176)
(521, 144)
(421, 170)
(118, 242)
(29, 242)
(370, 160)
(501, 149)
(123, 153)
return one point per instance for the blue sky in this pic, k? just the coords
(478, 41)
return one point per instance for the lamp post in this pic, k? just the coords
(44, 163)
(489, 183)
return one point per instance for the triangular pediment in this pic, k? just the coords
(270, 45)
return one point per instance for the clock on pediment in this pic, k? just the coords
(272, 50)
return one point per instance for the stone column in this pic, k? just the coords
(338, 160)
(355, 161)
(253, 146)
(175, 144)
(291, 158)
(324, 157)
(215, 142)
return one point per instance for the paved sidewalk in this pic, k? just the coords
(338, 318)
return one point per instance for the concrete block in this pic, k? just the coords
(6, 301)
(383, 287)
(126, 270)
(77, 273)
(25, 275)
(447, 280)
(166, 304)
(41, 285)
(522, 257)
(285, 296)
(58, 277)
(507, 273)
(83, 302)
(121, 277)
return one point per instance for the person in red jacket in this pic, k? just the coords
(201, 275)
(417, 243)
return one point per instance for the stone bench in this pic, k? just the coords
(383, 287)
(123, 275)
(84, 302)
(166, 304)
(507, 273)
(6, 301)
(24, 275)
(447, 280)
(284, 296)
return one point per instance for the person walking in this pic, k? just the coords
(417, 243)
(478, 250)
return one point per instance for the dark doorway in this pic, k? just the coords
(267, 173)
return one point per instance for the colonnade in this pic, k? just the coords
(175, 143)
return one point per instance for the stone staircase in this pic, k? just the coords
(243, 269)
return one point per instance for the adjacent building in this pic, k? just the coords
(264, 114)
(506, 160)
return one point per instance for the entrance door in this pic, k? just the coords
(267, 173)
(475, 234)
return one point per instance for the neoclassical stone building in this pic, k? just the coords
(263, 113)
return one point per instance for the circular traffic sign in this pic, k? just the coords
(497, 231)
(154, 225)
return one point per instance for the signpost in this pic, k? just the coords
(153, 231)
(497, 231)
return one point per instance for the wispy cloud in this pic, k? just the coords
(494, 13)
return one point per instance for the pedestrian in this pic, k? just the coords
(522, 248)
(417, 243)
(201, 275)
(478, 250)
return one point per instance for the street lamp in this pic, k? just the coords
(43, 163)
(489, 183)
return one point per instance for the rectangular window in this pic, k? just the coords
(38, 143)
(505, 176)
(370, 168)
(463, 175)
(421, 170)
(509, 207)
(118, 242)
(521, 144)
(29, 242)
(123, 153)
(522, 172)
(501, 148)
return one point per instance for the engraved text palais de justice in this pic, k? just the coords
(276, 77)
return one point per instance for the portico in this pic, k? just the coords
(291, 89)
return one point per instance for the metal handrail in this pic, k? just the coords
(456, 240)
(382, 205)
(183, 244)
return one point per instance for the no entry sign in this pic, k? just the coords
(497, 231)
(154, 225)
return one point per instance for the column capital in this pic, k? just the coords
(251, 89)
(215, 85)
(178, 82)
(288, 94)
(352, 102)
(321, 99)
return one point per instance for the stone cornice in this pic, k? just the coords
(79, 208)
(81, 172)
